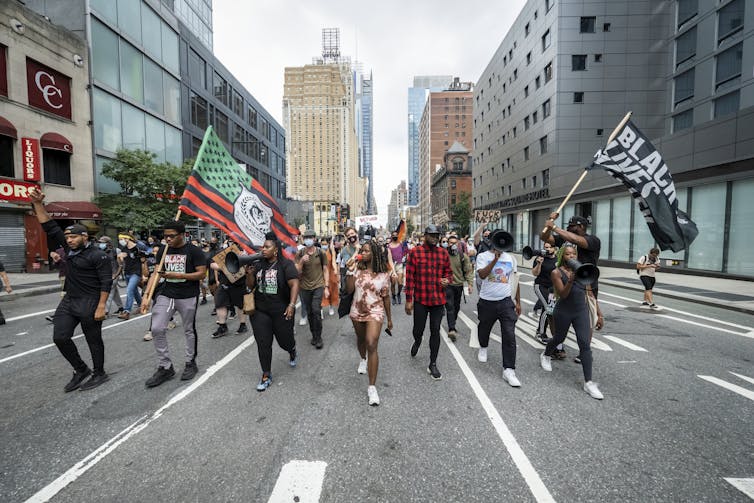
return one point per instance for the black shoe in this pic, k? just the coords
(189, 371)
(559, 354)
(76, 380)
(159, 377)
(120, 310)
(542, 338)
(577, 359)
(313, 341)
(415, 348)
(214, 311)
(318, 343)
(95, 381)
(242, 329)
(203, 301)
(2, 320)
(232, 315)
(49, 318)
(432, 370)
(222, 330)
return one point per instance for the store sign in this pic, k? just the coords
(48, 89)
(31, 159)
(15, 191)
(526, 198)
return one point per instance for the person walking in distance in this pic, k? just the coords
(6, 286)
(398, 252)
(276, 281)
(646, 267)
(178, 290)
(427, 275)
(333, 299)
(498, 302)
(311, 263)
(463, 272)
(369, 281)
(347, 251)
(87, 286)
(571, 309)
(106, 244)
(541, 270)
(134, 262)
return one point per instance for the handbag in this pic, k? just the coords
(344, 307)
(249, 306)
(591, 303)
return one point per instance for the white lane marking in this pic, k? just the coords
(77, 470)
(745, 378)
(473, 337)
(532, 478)
(675, 318)
(22, 333)
(627, 361)
(729, 386)
(603, 301)
(47, 346)
(526, 334)
(746, 486)
(629, 345)
(596, 343)
(29, 315)
(299, 481)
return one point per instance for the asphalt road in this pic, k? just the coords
(662, 433)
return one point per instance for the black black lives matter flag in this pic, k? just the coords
(632, 159)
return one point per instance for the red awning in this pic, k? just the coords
(74, 210)
(7, 129)
(56, 141)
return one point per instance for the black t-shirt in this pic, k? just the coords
(588, 255)
(2, 267)
(221, 277)
(132, 260)
(272, 293)
(547, 266)
(185, 260)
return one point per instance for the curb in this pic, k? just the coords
(30, 292)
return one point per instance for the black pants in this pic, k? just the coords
(543, 294)
(265, 326)
(420, 321)
(71, 312)
(562, 319)
(453, 296)
(504, 311)
(312, 302)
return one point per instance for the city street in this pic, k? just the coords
(676, 421)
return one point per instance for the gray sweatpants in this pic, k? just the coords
(114, 297)
(162, 311)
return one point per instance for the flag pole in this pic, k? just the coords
(153, 279)
(583, 175)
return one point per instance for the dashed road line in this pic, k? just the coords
(745, 378)
(629, 345)
(729, 386)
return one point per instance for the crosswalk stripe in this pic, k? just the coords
(596, 343)
(746, 486)
(299, 481)
(629, 345)
(745, 378)
(729, 386)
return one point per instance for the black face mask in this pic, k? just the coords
(394, 238)
(352, 239)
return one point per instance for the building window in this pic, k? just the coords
(221, 125)
(546, 178)
(510, 190)
(683, 120)
(534, 182)
(538, 82)
(57, 166)
(606, 27)
(527, 29)
(546, 109)
(153, 93)
(523, 183)
(578, 62)
(546, 40)
(728, 67)
(526, 91)
(526, 123)
(237, 103)
(587, 24)
(526, 154)
(457, 166)
(252, 117)
(105, 64)
(600, 132)
(220, 89)
(543, 145)
(6, 156)
(528, 58)
(452, 183)
(598, 58)
(684, 87)
(686, 10)
(730, 20)
(727, 105)
(453, 198)
(131, 72)
(548, 5)
(548, 72)
(578, 97)
(685, 46)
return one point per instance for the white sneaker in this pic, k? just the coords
(482, 356)
(302, 322)
(148, 335)
(509, 375)
(545, 361)
(374, 398)
(591, 388)
(362, 367)
(332, 311)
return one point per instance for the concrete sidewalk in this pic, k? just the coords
(29, 285)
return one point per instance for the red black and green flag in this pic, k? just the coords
(220, 192)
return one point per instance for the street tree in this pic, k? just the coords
(149, 191)
(462, 212)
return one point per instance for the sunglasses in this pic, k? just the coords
(170, 236)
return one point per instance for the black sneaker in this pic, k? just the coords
(577, 359)
(242, 328)
(293, 358)
(542, 338)
(232, 315)
(2, 320)
(214, 311)
(203, 301)
(415, 348)
(432, 370)
(318, 343)
(160, 376)
(189, 371)
(559, 354)
(76, 380)
(95, 381)
(222, 330)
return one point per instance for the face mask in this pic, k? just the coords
(122, 243)
(102, 246)
(308, 242)
(352, 239)
(394, 238)
(444, 245)
(454, 248)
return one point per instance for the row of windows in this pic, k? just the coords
(729, 23)
(56, 165)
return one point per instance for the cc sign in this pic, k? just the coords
(46, 84)
(48, 89)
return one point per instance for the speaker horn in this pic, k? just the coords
(586, 274)
(501, 240)
(528, 252)
(234, 262)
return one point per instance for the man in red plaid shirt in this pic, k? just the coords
(427, 274)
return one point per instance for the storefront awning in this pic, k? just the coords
(56, 141)
(74, 210)
(7, 129)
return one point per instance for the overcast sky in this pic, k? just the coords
(257, 39)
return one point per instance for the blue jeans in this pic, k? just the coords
(132, 292)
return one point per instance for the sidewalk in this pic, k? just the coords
(29, 285)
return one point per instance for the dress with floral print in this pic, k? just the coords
(368, 296)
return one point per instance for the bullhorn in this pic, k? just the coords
(501, 240)
(586, 274)
(234, 262)
(528, 252)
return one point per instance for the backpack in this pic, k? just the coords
(642, 261)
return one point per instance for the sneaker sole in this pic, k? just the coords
(82, 388)
(161, 382)
(433, 377)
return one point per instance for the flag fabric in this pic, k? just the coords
(401, 230)
(221, 192)
(632, 159)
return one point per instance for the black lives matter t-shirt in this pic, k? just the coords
(183, 260)
(272, 292)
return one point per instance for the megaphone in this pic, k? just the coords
(528, 252)
(501, 240)
(586, 274)
(234, 262)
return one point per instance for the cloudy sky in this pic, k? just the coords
(396, 39)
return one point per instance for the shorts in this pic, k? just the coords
(227, 296)
(648, 282)
(399, 269)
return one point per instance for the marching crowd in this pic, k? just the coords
(363, 277)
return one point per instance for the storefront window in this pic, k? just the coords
(107, 133)
(131, 72)
(57, 166)
(708, 212)
(741, 238)
(621, 228)
(134, 136)
(6, 156)
(105, 55)
(643, 239)
(670, 254)
(524, 238)
(601, 225)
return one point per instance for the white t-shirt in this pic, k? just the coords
(496, 286)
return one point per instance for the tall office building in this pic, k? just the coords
(563, 78)
(398, 200)
(417, 97)
(196, 15)
(365, 100)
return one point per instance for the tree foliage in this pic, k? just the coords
(150, 191)
(462, 213)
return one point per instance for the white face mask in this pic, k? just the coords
(122, 243)
(308, 242)
(445, 245)
(102, 246)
